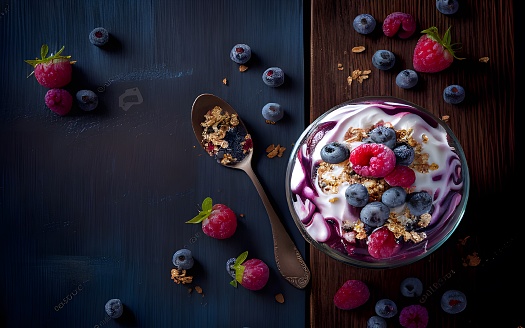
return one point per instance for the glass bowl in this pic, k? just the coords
(320, 206)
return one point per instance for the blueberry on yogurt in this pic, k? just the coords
(383, 135)
(241, 53)
(334, 152)
(273, 77)
(356, 195)
(419, 202)
(394, 197)
(383, 59)
(374, 214)
(364, 23)
(405, 154)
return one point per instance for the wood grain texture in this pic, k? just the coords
(484, 125)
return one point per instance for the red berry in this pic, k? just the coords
(432, 53)
(218, 221)
(256, 274)
(396, 21)
(382, 243)
(221, 223)
(372, 160)
(59, 101)
(352, 294)
(401, 176)
(414, 316)
(54, 71)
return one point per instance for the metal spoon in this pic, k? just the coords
(289, 261)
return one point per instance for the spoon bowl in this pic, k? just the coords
(237, 153)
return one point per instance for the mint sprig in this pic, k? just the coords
(239, 268)
(43, 53)
(207, 205)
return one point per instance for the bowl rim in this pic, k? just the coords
(381, 263)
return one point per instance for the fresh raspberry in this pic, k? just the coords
(54, 71)
(59, 101)
(218, 221)
(432, 53)
(414, 316)
(401, 176)
(252, 274)
(352, 294)
(396, 21)
(382, 243)
(372, 160)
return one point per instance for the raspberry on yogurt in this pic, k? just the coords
(373, 160)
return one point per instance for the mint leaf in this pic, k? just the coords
(207, 206)
(241, 258)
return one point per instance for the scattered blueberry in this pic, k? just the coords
(241, 53)
(356, 195)
(383, 135)
(411, 287)
(273, 77)
(407, 79)
(383, 59)
(386, 308)
(183, 259)
(376, 322)
(99, 36)
(447, 7)
(114, 308)
(404, 154)
(334, 152)
(394, 197)
(454, 94)
(272, 112)
(374, 214)
(453, 301)
(229, 267)
(364, 23)
(419, 202)
(87, 100)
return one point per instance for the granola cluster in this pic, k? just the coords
(403, 225)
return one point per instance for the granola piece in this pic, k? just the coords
(340, 66)
(358, 49)
(243, 68)
(180, 277)
(484, 60)
(225, 81)
(279, 298)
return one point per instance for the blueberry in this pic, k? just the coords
(374, 214)
(386, 308)
(87, 100)
(404, 154)
(364, 23)
(356, 195)
(99, 36)
(241, 53)
(419, 202)
(376, 322)
(182, 259)
(229, 268)
(273, 77)
(453, 301)
(454, 94)
(383, 59)
(407, 79)
(447, 7)
(383, 135)
(394, 197)
(411, 287)
(272, 112)
(334, 153)
(114, 308)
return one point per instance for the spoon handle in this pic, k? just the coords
(289, 261)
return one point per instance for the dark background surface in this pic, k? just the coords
(93, 204)
(486, 128)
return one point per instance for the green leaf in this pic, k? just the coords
(233, 283)
(239, 272)
(241, 258)
(207, 206)
(43, 51)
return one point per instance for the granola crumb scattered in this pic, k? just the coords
(180, 277)
(273, 150)
(358, 75)
(198, 289)
(279, 298)
(445, 118)
(340, 66)
(225, 81)
(358, 49)
(472, 260)
(484, 60)
(243, 68)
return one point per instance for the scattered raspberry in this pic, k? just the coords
(54, 71)
(373, 160)
(413, 316)
(402, 24)
(59, 101)
(382, 243)
(218, 221)
(401, 176)
(352, 294)
(252, 274)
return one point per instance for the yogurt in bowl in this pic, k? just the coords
(377, 182)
